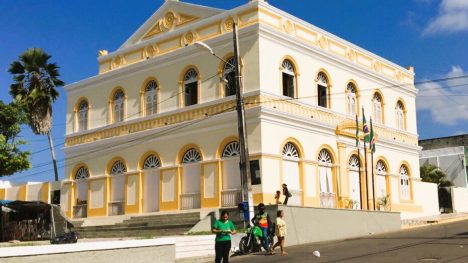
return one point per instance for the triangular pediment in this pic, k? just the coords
(172, 15)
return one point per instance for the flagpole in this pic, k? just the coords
(359, 158)
(365, 167)
(371, 144)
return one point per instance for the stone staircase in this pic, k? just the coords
(147, 226)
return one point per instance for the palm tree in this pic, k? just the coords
(34, 88)
(432, 174)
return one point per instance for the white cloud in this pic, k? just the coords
(452, 17)
(447, 103)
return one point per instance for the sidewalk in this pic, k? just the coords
(430, 220)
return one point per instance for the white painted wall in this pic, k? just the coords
(425, 195)
(460, 199)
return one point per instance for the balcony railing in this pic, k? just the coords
(231, 197)
(190, 201)
(80, 211)
(116, 208)
(327, 200)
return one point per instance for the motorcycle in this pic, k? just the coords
(252, 242)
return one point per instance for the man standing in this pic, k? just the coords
(286, 194)
(262, 219)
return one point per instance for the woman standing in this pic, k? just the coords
(280, 232)
(223, 228)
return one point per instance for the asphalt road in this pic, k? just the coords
(437, 243)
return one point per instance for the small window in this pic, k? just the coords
(151, 161)
(288, 75)
(191, 87)
(229, 74)
(83, 116)
(151, 98)
(351, 100)
(118, 106)
(118, 167)
(232, 149)
(322, 90)
(82, 173)
(377, 102)
(400, 116)
(191, 156)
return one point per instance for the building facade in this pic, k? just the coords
(156, 129)
(450, 154)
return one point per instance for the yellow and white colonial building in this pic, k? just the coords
(156, 129)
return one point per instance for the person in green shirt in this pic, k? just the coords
(223, 228)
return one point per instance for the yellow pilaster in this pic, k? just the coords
(2, 194)
(22, 193)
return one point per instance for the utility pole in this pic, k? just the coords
(244, 163)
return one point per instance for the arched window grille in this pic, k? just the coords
(377, 102)
(229, 73)
(354, 163)
(289, 78)
(290, 150)
(231, 149)
(381, 168)
(191, 87)
(351, 99)
(191, 156)
(83, 110)
(322, 90)
(118, 107)
(151, 161)
(82, 173)
(325, 172)
(151, 98)
(118, 168)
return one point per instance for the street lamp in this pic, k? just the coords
(244, 163)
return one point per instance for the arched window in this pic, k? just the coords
(290, 150)
(229, 74)
(354, 182)
(118, 167)
(82, 173)
(322, 90)
(232, 149)
(377, 103)
(351, 99)
(381, 168)
(400, 116)
(83, 109)
(325, 171)
(151, 98)
(289, 79)
(191, 87)
(151, 161)
(191, 156)
(404, 183)
(381, 171)
(354, 163)
(118, 106)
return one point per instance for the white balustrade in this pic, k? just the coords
(190, 200)
(231, 197)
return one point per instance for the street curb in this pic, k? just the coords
(438, 222)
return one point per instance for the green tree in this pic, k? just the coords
(34, 89)
(12, 159)
(432, 174)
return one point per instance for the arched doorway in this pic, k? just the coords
(191, 173)
(291, 173)
(81, 183)
(117, 172)
(231, 193)
(355, 182)
(151, 167)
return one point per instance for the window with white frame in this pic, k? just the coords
(151, 97)
(377, 103)
(290, 150)
(118, 106)
(229, 74)
(325, 172)
(404, 183)
(322, 90)
(191, 87)
(400, 116)
(83, 110)
(289, 78)
(351, 99)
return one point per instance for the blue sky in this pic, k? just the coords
(430, 35)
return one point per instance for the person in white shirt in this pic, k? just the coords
(280, 232)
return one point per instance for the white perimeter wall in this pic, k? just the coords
(460, 199)
(425, 195)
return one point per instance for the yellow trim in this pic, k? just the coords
(2, 193)
(169, 205)
(93, 212)
(216, 25)
(296, 143)
(45, 189)
(171, 48)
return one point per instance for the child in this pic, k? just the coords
(280, 232)
(277, 197)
